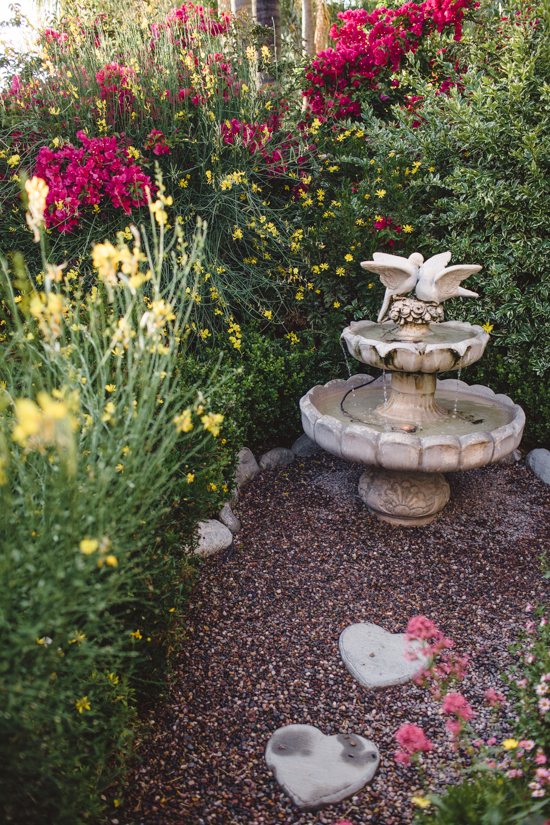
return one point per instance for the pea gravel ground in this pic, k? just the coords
(263, 627)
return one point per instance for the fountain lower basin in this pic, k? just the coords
(486, 427)
(404, 484)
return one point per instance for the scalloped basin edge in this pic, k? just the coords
(417, 356)
(400, 451)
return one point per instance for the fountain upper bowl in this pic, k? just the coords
(450, 345)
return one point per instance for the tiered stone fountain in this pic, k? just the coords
(412, 432)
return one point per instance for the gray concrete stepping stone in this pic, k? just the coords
(317, 770)
(376, 658)
(228, 517)
(247, 467)
(538, 462)
(278, 457)
(213, 538)
(304, 446)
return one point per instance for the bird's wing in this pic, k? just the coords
(436, 263)
(390, 260)
(393, 277)
(448, 280)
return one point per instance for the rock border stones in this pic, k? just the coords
(538, 462)
(213, 538)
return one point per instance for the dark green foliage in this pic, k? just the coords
(484, 800)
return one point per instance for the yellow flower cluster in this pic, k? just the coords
(235, 334)
(89, 546)
(37, 192)
(49, 311)
(212, 422)
(50, 423)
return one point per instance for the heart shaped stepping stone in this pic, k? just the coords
(317, 770)
(376, 658)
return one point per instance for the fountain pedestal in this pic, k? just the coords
(403, 498)
(412, 399)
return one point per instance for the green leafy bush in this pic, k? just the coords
(485, 799)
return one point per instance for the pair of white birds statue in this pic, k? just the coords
(434, 281)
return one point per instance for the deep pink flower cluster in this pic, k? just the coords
(191, 18)
(157, 142)
(256, 137)
(369, 43)
(412, 739)
(88, 176)
(53, 36)
(114, 84)
(448, 666)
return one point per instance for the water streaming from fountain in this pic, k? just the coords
(456, 392)
(345, 357)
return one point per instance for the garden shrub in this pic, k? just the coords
(107, 462)
(269, 375)
(485, 800)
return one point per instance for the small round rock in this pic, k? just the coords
(279, 457)
(213, 538)
(228, 517)
(247, 467)
(538, 462)
(304, 446)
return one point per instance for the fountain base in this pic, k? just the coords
(406, 499)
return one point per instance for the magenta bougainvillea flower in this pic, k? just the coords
(102, 170)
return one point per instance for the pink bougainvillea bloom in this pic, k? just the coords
(540, 759)
(544, 705)
(529, 607)
(412, 739)
(521, 683)
(456, 703)
(493, 697)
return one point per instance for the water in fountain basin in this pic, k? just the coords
(472, 413)
(439, 333)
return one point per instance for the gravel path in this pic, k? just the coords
(263, 638)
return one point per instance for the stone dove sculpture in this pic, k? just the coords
(399, 275)
(437, 283)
